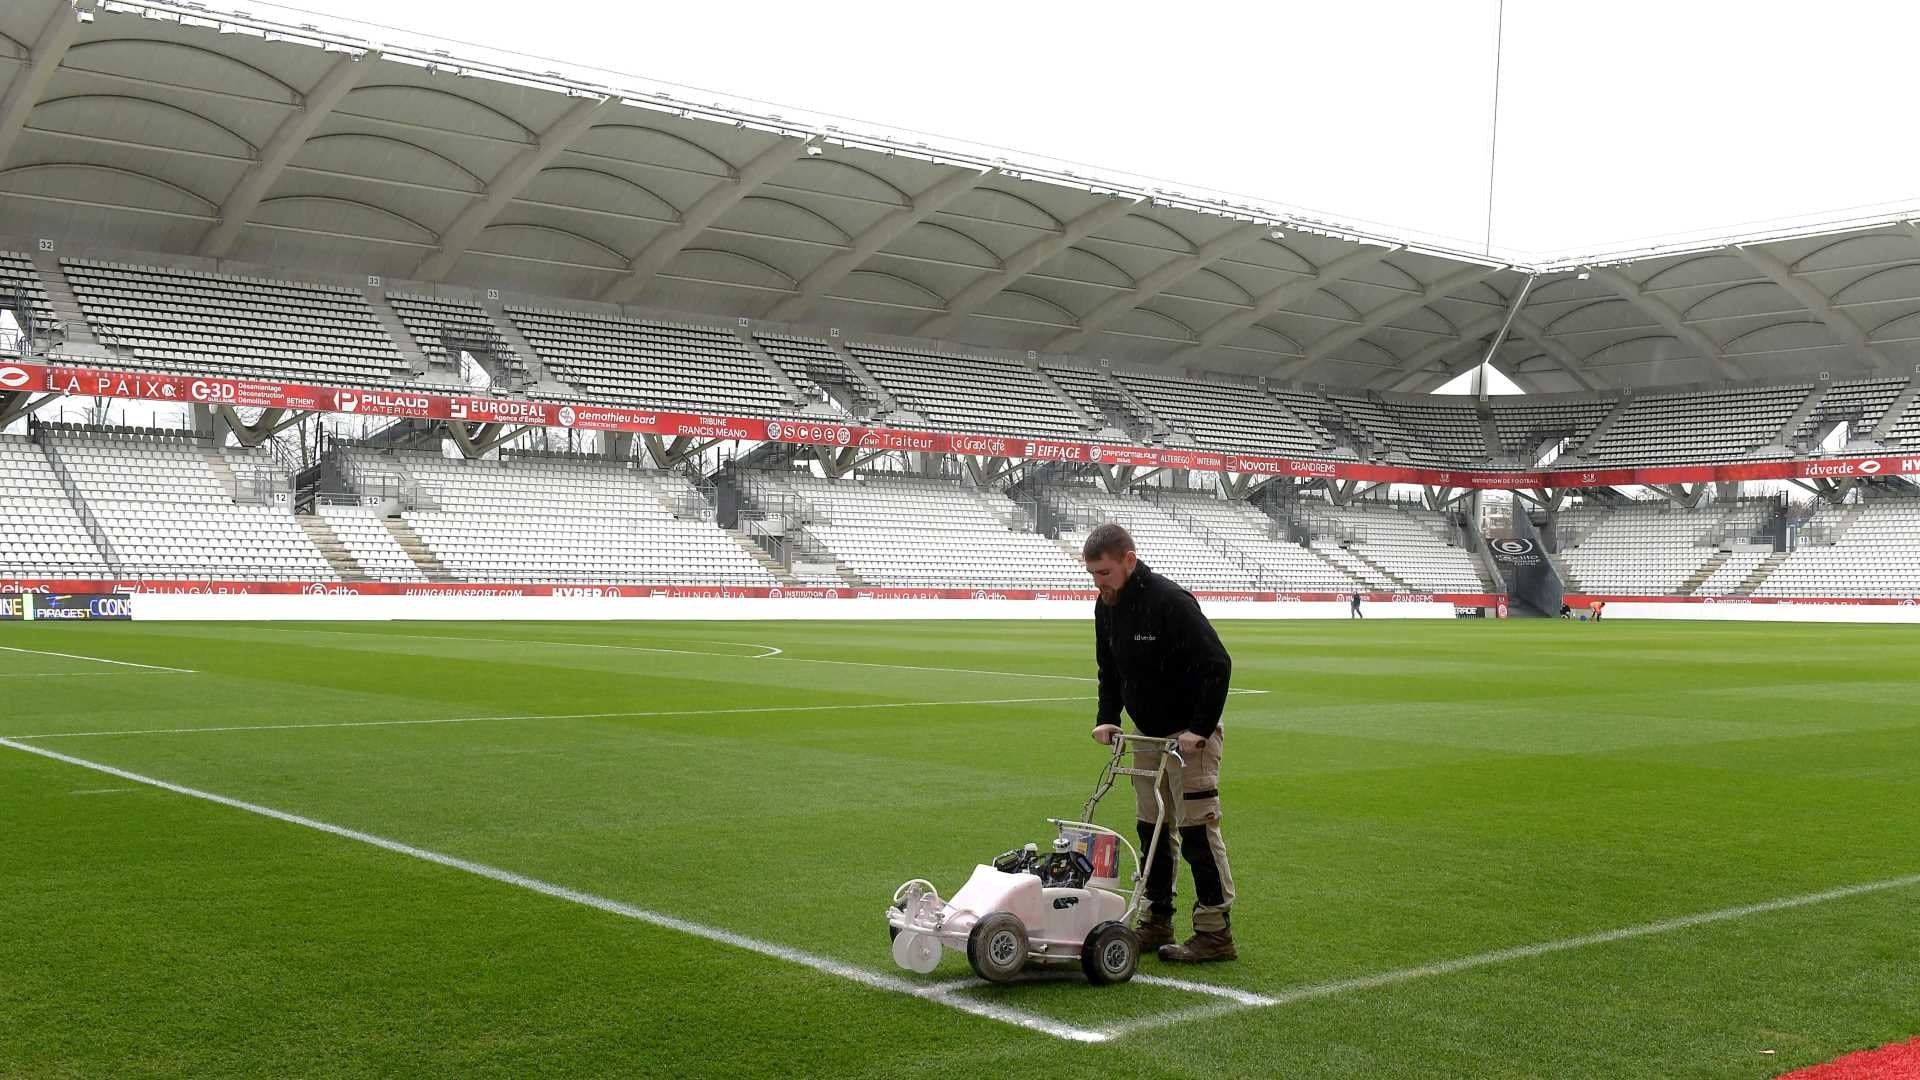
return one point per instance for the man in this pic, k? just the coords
(1353, 608)
(1595, 608)
(1159, 657)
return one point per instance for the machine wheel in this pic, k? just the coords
(997, 947)
(1110, 953)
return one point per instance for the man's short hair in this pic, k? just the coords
(1106, 541)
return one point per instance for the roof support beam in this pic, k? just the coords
(62, 29)
(1023, 262)
(286, 141)
(508, 185)
(706, 210)
(1154, 283)
(1439, 349)
(1669, 320)
(1275, 299)
(1817, 302)
(1575, 368)
(876, 237)
(1385, 313)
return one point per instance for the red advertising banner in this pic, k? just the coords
(182, 586)
(1580, 601)
(420, 404)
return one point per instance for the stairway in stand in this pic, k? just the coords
(322, 535)
(417, 550)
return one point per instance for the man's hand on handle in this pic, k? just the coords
(1106, 733)
(1189, 742)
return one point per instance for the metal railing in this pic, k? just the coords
(95, 531)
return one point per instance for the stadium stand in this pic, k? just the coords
(1439, 432)
(1220, 415)
(443, 328)
(1732, 574)
(1194, 557)
(969, 393)
(371, 544)
(1284, 565)
(20, 288)
(1102, 399)
(1871, 552)
(819, 372)
(914, 532)
(652, 364)
(1525, 426)
(166, 512)
(537, 519)
(44, 536)
(1704, 426)
(1649, 549)
(186, 321)
(1862, 403)
(1394, 547)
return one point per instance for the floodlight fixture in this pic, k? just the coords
(814, 151)
(1276, 233)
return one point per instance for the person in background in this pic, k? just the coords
(1595, 607)
(1353, 608)
(1566, 610)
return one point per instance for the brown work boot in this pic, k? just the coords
(1204, 947)
(1154, 931)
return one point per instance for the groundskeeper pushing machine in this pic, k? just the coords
(1059, 906)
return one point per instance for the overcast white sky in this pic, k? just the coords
(1620, 119)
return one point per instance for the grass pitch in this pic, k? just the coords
(1405, 796)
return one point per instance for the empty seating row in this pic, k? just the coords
(444, 328)
(552, 519)
(916, 532)
(1709, 425)
(165, 513)
(182, 320)
(1876, 554)
(970, 393)
(41, 534)
(1220, 415)
(655, 364)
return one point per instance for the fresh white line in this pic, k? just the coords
(555, 716)
(1241, 997)
(97, 660)
(105, 791)
(69, 674)
(826, 965)
(1520, 952)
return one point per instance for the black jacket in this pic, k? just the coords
(1160, 658)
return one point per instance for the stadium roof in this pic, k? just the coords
(148, 125)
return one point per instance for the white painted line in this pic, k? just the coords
(771, 650)
(1519, 952)
(97, 660)
(1241, 997)
(105, 791)
(71, 674)
(555, 716)
(825, 965)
